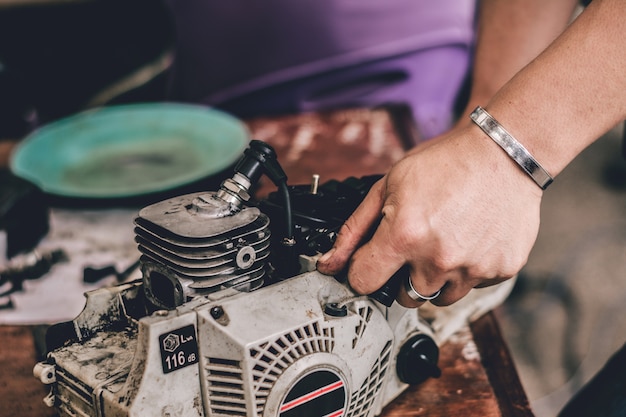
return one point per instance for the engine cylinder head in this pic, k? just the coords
(198, 244)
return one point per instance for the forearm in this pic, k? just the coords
(573, 92)
(510, 34)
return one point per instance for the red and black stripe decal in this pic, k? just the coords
(319, 394)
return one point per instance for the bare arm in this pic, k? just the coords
(510, 34)
(459, 211)
(573, 92)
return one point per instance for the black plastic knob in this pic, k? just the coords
(417, 360)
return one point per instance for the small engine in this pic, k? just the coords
(230, 317)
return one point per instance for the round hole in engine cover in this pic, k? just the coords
(321, 392)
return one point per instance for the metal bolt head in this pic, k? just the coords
(217, 312)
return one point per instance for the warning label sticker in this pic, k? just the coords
(179, 348)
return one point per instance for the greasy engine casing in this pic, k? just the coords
(246, 354)
(214, 329)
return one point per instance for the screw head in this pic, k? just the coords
(217, 312)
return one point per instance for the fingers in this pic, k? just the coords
(493, 281)
(408, 295)
(450, 292)
(353, 231)
(376, 261)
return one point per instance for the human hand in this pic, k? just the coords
(457, 211)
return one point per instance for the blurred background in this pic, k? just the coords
(566, 315)
(57, 58)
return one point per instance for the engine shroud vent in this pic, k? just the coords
(362, 399)
(225, 387)
(271, 358)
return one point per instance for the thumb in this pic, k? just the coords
(354, 231)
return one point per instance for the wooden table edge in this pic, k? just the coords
(500, 367)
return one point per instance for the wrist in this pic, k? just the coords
(513, 148)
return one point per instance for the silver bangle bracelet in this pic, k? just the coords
(511, 146)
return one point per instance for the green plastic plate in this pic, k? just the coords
(130, 150)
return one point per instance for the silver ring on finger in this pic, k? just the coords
(416, 296)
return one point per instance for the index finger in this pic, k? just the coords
(353, 231)
(376, 261)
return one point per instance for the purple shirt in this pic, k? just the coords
(227, 48)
